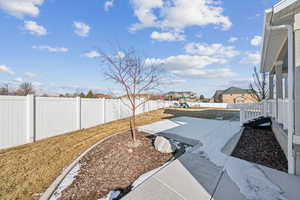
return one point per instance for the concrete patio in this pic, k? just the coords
(208, 171)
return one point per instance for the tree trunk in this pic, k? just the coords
(133, 126)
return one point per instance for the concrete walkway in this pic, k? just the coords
(208, 171)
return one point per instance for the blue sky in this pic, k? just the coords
(204, 44)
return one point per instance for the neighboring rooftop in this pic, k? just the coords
(236, 90)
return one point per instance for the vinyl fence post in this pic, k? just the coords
(30, 132)
(78, 113)
(103, 110)
(242, 116)
(265, 108)
(119, 107)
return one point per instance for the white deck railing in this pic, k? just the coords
(252, 111)
(267, 108)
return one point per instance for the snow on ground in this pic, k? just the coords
(214, 135)
(68, 180)
(252, 181)
(111, 195)
(160, 126)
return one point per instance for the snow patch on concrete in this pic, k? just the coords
(68, 180)
(214, 141)
(111, 195)
(160, 126)
(214, 135)
(251, 180)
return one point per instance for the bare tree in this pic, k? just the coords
(135, 77)
(259, 85)
(4, 90)
(25, 89)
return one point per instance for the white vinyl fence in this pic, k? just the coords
(267, 108)
(216, 105)
(27, 119)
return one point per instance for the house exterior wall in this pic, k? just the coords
(281, 136)
(297, 84)
(238, 98)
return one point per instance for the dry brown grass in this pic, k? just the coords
(31, 168)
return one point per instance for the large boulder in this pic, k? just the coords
(163, 145)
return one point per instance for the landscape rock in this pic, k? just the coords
(163, 145)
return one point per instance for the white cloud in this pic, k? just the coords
(239, 82)
(206, 73)
(178, 14)
(18, 80)
(21, 8)
(108, 5)
(182, 62)
(81, 29)
(7, 70)
(96, 54)
(251, 58)
(120, 54)
(51, 49)
(216, 50)
(34, 28)
(178, 81)
(37, 84)
(143, 10)
(30, 75)
(256, 40)
(167, 36)
(192, 66)
(92, 54)
(233, 39)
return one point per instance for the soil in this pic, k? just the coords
(259, 145)
(206, 113)
(114, 165)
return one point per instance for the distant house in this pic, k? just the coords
(175, 96)
(146, 96)
(234, 95)
(103, 96)
(204, 100)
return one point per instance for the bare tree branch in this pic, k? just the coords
(25, 89)
(259, 85)
(135, 77)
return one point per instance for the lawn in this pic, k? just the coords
(29, 169)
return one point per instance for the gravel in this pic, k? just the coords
(114, 165)
(260, 146)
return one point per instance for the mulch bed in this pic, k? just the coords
(114, 165)
(259, 145)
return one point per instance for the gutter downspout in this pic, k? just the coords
(291, 94)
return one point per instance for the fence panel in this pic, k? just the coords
(125, 109)
(92, 112)
(26, 119)
(111, 110)
(12, 124)
(55, 116)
